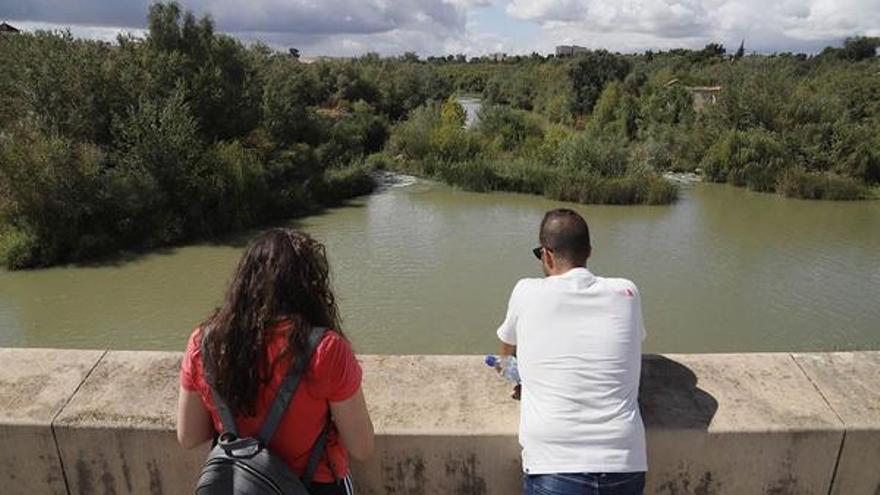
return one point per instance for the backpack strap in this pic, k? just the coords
(283, 398)
(288, 387)
(279, 405)
(315, 456)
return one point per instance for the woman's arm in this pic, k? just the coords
(194, 425)
(355, 427)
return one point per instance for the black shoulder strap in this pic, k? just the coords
(288, 387)
(315, 456)
(279, 405)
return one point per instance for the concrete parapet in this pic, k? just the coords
(35, 384)
(717, 424)
(738, 424)
(117, 434)
(850, 382)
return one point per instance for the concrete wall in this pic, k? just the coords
(95, 422)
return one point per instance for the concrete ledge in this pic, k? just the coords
(717, 424)
(850, 382)
(738, 424)
(35, 384)
(117, 434)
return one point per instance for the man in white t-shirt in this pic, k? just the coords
(578, 339)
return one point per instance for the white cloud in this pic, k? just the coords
(429, 27)
(343, 27)
(628, 25)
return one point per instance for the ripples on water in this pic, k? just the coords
(424, 268)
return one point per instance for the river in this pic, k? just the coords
(425, 268)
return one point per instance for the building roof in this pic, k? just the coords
(703, 89)
(6, 28)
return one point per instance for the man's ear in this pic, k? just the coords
(589, 252)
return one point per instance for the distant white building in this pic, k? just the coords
(569, 50)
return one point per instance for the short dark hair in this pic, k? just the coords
(565, 232)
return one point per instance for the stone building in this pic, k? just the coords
(702, 95)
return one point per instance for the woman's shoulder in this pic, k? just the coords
(333, 342)
(191, 365)
(336, 369)
(194, 342)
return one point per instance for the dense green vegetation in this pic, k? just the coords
(189, 134)
(516, 150)
(802, 126)
(185, 134)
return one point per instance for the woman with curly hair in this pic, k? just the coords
(279, 293)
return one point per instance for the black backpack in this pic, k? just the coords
(244, 466)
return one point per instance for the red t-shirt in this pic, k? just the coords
(333, 375)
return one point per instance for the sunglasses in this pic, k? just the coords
(538, 251)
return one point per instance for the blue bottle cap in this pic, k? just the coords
(491, 360)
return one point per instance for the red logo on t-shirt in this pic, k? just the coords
(627, 293)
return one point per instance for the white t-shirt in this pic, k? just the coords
(579, 350)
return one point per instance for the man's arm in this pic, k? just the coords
(507, 330)
(507, 349)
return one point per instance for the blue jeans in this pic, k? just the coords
(584, 484)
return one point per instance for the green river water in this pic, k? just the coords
(424, 268)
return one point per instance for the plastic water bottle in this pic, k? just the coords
(506, 365)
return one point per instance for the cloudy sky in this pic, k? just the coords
(474, 27)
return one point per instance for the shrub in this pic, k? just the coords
(452, 143)
(452, 114)
(605, 157)
(589, 74)
(546, 153)
(351, 134)
(19, 248)
(798, 183)
(290, 90)
(55, 208)
(381, 161)
(160, 138)
(522, 175)
(856, 153)
(616, 113)
(289, 175)
(474, 175)
(586, 188)
(753, 158)
(232, 190)
(339, 184)
(508, 127)
(650, 155)
(412, 137)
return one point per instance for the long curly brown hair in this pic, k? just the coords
(282, 274)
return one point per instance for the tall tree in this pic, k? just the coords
(741, 51)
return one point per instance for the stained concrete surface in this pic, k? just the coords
(850, 382)
(717, 424)
(117, 435)
(34, 386)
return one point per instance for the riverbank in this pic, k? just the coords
(86, 421)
